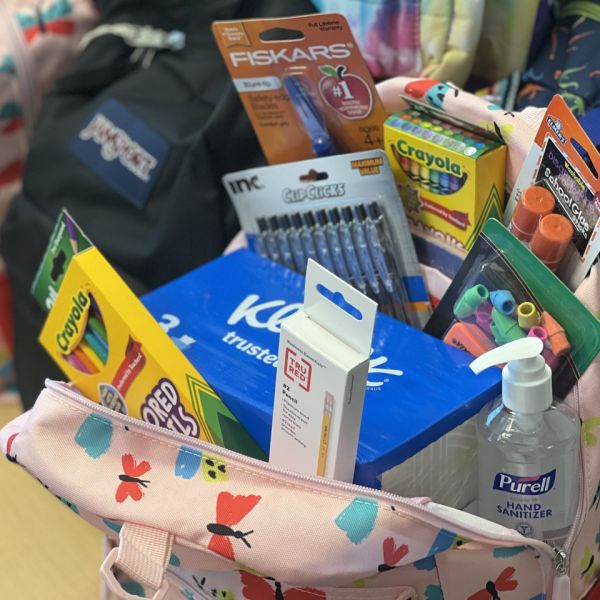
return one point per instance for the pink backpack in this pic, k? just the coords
(195, 521)
(189, 520)
(37, 40)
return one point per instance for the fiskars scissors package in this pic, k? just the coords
(304, 84)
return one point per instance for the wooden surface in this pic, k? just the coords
(46, 550)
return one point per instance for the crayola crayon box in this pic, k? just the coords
(450, 175)
(116, 353)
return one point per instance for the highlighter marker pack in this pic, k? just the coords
(503, 293)
(345, 213)
(304, 84)
(116, 353)
(554, 204)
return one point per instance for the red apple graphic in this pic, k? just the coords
(348, 94)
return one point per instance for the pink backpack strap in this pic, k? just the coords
(143, 554)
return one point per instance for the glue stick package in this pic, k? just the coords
(503, 293)
(554, 207)
(343, 212)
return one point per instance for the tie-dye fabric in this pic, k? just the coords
(37, 40)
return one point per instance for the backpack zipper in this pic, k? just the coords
(24, 69)
(427, 514)
(562, 584)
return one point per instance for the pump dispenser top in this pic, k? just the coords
(528, 447)
(526, 378)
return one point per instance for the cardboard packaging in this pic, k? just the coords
(556, 163)
(227, 315)
(321, 377)
(450, 174)
(116, 353)
(328, 185)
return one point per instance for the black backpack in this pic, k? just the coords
(134, 142)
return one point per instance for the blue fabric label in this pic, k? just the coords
(121, 149)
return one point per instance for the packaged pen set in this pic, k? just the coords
(554, 207)
(450, 174)
(113, 350)
(342, 211)
(503, 293)
(304, 84)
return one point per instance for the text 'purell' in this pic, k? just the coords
(526, 486)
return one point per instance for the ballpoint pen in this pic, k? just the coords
(350, 254)
(335, 248)
(295, 242)
(323, 254)
(384, 262)
(285, 252)
(376, 248)
(267, 246)
(309, 114)
(362, 249)
(305, 235)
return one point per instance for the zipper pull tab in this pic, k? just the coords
(561, 586)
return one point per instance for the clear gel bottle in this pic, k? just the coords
(528, 448)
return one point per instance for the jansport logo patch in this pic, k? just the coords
(115, 143)
(526, 486)
(122, 149)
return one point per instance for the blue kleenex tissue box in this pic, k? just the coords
(226, 317)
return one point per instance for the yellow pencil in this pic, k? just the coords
(325, 428)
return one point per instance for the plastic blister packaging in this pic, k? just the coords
(503, 293)
(352, 240)
(562, 166)
(342, 211)
(304, 85)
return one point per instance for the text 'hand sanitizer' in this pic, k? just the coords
(528, 448)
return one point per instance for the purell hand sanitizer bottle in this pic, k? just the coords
(528, 448)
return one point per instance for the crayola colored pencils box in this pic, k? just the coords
(117, 354)
(450, 175)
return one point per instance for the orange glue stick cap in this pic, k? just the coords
(536, 202)
(551, 240)
(469, 337)
(556, 334)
